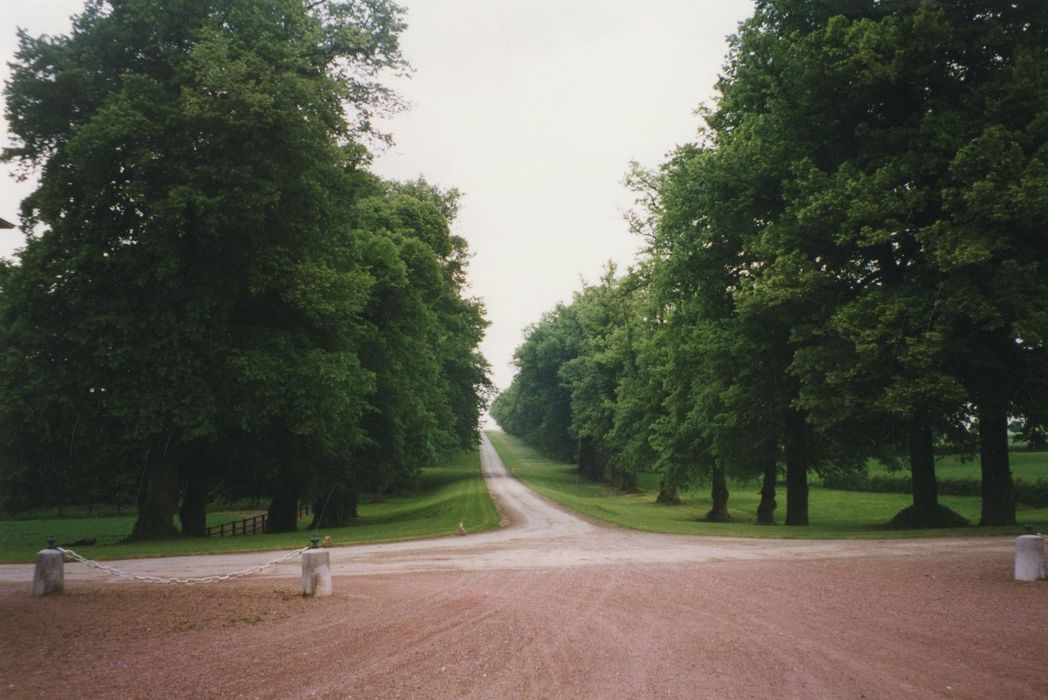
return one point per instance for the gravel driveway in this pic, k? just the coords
(549, 606)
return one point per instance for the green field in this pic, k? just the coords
(1028, 466)
(451, 493)
(833, 514)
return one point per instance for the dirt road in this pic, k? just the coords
(550, 606)
(538, 534)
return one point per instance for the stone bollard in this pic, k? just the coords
(49, 575)
(1029, 558)
(316, 573)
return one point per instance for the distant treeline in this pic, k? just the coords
(849, 263)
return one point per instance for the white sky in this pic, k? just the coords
(533, 108)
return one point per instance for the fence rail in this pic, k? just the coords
(247, 526)
(254, 525)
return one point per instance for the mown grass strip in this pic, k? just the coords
(451, 493)
(834, 514)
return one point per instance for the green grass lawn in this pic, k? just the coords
(834, 514)
(451, 493)
(1028, 466)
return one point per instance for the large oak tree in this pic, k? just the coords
(215, 293)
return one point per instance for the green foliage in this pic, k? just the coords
(848, 264)
(579, 392)
(902, 222)
(538, 404)
(217, 295)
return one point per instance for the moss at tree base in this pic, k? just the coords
(718, 515)
(912, 517)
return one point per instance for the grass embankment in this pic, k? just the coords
(451, 493)
(834, 514)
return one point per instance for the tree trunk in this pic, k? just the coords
(796, 470)
(283, 511)
(624, 480)
(922, 464)
(193, 513)
(158, 500)
(591, 463)
(338, 510)
(766, 509)
(669, 492)
(925, 511)
(719, 494)
(998, 490)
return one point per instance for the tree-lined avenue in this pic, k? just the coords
(537, 535)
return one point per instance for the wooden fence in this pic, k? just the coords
(248, 526)
(254, 525)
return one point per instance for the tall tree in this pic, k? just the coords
(732, 344)
(537, 406)
(915, 153)
(192, 262)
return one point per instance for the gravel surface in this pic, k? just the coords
(550, 606)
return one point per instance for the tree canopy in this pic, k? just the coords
(848, 263)
(216, 296)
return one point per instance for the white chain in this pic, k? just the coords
(185, 581)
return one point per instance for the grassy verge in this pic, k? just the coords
(451, 493)
(834, 514)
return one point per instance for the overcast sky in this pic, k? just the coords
(534, 109)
